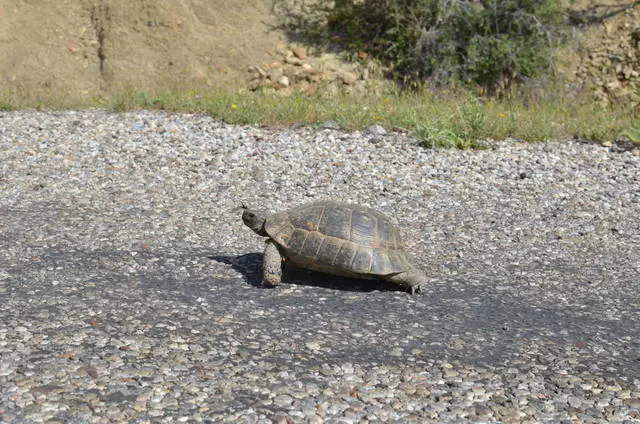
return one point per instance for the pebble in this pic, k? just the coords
(375, 130)
(131, 290)
(283, 401)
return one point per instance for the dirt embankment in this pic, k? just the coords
(604, 54)
(86, 46)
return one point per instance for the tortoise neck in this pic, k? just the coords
(261, 231)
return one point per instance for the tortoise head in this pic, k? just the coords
(254, 220)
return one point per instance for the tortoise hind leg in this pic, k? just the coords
(272, 265)
(413, 279)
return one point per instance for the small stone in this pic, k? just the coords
(499, 399)
(448, 373)
(23, 381)
(330, 125)
(375, 130)
(292, 60)
(613, 85)
(282, 419)
(396, 351)
(478, 390)
(156, 413)
(482, 410)
(347, 78)
(283, 81)
(142, 400)
(632, 402)
(574, 401)
(283, 401)
(313, 345)
(255, 70)
(299, 52)
(275, 74)
(314, 419)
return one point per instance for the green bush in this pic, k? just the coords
(490, 43)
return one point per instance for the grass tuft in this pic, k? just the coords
(632, 133)
(445, 118)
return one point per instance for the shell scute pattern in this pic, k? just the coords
(381, 262)
(327, 251)
(364, 229)
(308, 220)
(312, 244)
(389, 236)
(354, 239)
(362, 261)
(347, 252)
(296, 242)
(280, 228)
(334, 222)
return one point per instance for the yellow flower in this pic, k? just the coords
(501, 115)
(234, 106)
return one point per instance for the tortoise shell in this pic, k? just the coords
(339, 238)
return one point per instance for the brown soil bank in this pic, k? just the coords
(85, 46)
(604, 55)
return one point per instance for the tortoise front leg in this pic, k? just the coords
(272, 265)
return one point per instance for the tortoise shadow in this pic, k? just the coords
(245, 265)
(250, 266)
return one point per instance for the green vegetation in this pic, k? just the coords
(632, 133)
(439, 119)
(465, 63)
(491, 44)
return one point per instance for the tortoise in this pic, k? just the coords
(337, 238)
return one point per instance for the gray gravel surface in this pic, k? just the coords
(130, 290)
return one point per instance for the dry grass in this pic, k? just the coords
(440, 119)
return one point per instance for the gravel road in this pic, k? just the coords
(130, 290)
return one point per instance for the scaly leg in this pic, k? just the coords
(413, 279)
(272, 265)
